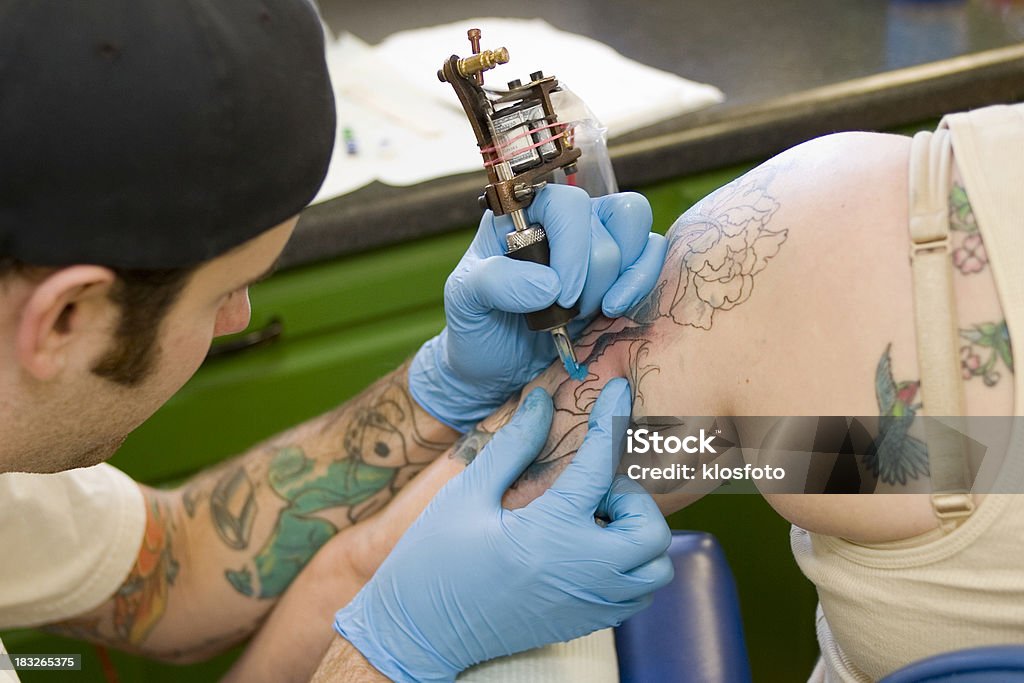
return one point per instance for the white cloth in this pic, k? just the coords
(590, 659)
(399, 125)
(68, 541)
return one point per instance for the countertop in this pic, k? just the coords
(791, 70)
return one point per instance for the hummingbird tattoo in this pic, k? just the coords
(897, 456)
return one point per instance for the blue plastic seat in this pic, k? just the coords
(692, 633)
(997, 664)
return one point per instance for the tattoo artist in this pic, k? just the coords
(153, 159)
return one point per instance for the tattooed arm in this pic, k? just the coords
(289, 645)
(788, 293)
(219, 551)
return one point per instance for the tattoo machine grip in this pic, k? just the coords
(532, 244)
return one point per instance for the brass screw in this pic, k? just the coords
(474, 43)
(488, 59)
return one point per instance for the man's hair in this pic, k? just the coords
(144, 297)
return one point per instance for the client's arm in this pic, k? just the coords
(788, 293)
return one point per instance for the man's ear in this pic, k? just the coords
(60, 317)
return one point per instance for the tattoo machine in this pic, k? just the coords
(523, 145)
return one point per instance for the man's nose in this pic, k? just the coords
(234, 315)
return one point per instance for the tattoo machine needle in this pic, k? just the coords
(522, 144)
(530, 243)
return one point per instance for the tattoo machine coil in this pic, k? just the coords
(523, 144)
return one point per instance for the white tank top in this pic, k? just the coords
(887, 605)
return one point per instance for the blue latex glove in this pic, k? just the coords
(602, 254)
(471, 581)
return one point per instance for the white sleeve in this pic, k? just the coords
(67, 541)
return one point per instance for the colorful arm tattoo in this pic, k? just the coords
(987, 344)
(991, 340)
(208, 571)
(138, 605)
(969, 255)
(298, 532)
(317, 481)
(897, 456)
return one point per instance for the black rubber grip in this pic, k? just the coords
(554, 315)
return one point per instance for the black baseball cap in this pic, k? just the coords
(157, 133)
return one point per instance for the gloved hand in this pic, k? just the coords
(471, 580)
(602, 253)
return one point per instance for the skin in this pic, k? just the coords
(812, 331)
(57, 414)
(298, 630)
(218, 551)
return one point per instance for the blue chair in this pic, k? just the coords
(997, 664)
(692, 633)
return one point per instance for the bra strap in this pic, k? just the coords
(938, 356)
